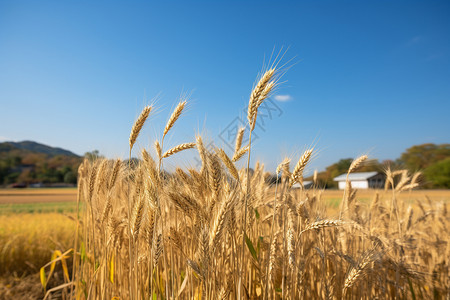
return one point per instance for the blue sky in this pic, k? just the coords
(364, 77)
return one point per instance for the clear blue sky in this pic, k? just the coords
(366, 77)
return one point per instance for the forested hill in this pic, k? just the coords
(33, 147)
(29, 162)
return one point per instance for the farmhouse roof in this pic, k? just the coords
(306, 183)
(355, 176)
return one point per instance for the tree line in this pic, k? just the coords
(432, 160)
(38, 168)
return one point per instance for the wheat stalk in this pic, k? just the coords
(178, 148)
(239, 137)
(291, 246)
(356, 163)
(138, 125)
(202, 153)
(286, 161)
(151, 168)
(300, 166)
(150, 226)
(255, 96)
(195, 267)
(220, 223)
(158, 149)
(265, 94)
(415, 178)
(106, 209)
(228, 163)
(403, 180)
(174, 117)
(322, 224)
(92, 180)
(214, 173)
(273, 254)
(138, 213)
(157, 249)
(115, 173)
(238, 155)
(358, 271)
(389, 179)
(101, 175)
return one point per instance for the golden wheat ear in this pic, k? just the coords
(260, 91)
(228, 163)
(238, 155)
(174, 117)
(297, 174)
(239, 137)
(356, 163)
(158, 149)
(139, 124)
(178, 148)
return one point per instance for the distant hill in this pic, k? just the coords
(35, 147)
(29, 162)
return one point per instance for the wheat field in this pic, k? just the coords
(223, 232)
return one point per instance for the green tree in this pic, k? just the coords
(334, 170)
(439, 174)
(93, 155)
(420, 157)
(70, 177)
(4, 170)
(12, 177)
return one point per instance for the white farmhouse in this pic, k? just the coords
(306, 184)
(362, 180)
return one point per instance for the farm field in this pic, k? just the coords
(62, 198)
(33, 224)
(196, 233)
(38, 201)
(36, 222)
(27, 241)
(332, 198)
(37, 195)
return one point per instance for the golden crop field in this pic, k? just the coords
(38, 195)
(29, 239)
(223, 232)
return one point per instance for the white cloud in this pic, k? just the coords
(415, 40)
(433, 57)
(283, 98)
(4, 139)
